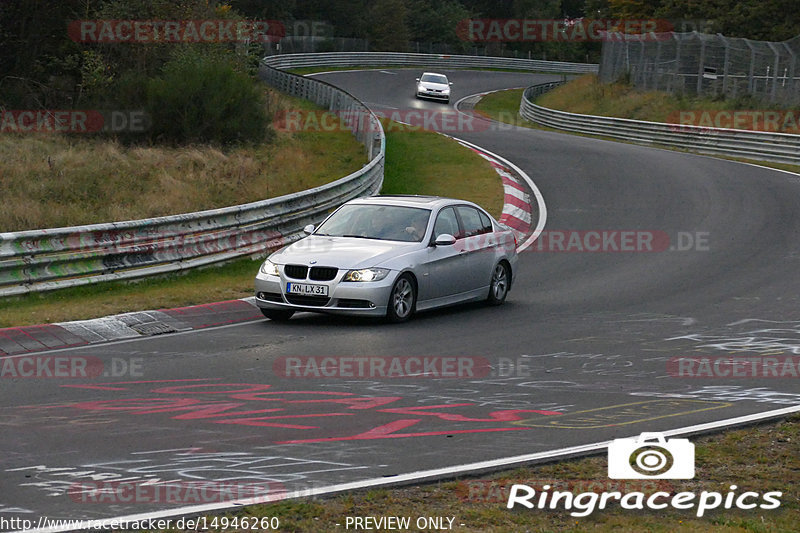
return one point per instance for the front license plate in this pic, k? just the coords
(306, 289)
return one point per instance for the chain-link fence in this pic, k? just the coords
(703, 64)
(313, 44)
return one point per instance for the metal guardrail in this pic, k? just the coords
(347, 59)
(40, 260)
(535, 91)
(764, 146)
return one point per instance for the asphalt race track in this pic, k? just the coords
(583, 351)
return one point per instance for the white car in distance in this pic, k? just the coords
(433, 85)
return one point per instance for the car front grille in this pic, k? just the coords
(317, 301)
(323, 273)
(295, 271)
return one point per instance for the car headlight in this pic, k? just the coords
(269, 268)
(366, 274)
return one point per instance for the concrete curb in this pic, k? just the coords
(31, 339)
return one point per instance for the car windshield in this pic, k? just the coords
(434, 78)
(384, 222)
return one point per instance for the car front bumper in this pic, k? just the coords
(432, 94)
(344, 298)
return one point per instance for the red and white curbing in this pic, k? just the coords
(517, 207)
(520, 192)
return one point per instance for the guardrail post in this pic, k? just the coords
(657, 61)
(642, 70)
(676, 76)
(774, 92)
(701, 64)
(793, 85)
(726, 64)
(751, 78)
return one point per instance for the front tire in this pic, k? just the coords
(499, 285)
(402, 300)
(278, 315)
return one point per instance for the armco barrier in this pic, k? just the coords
(348, 59)
(41, 260)
(764, 146)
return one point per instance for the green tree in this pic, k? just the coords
(537, 9)
(388, 29)
(39, 65)
(203, 98)
(436, 22)
(767, 20)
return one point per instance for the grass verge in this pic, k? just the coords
(424, 162)
(759, 459)
(503, 106)
(586, 96)
(418, 162)
(50, 181)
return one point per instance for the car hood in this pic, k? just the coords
(436, 86)
(341, 252)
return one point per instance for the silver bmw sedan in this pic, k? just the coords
(390, 256)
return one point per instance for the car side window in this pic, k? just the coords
(487, 223)
(446, 222)
(471, 219)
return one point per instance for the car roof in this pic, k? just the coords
(409, 200)
(435, 74)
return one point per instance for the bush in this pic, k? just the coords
(205, 99)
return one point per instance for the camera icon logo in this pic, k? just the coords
(650, 456)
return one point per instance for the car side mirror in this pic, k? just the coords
(451, 83)
(308, 230)
(445, 239)
(417, 79)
